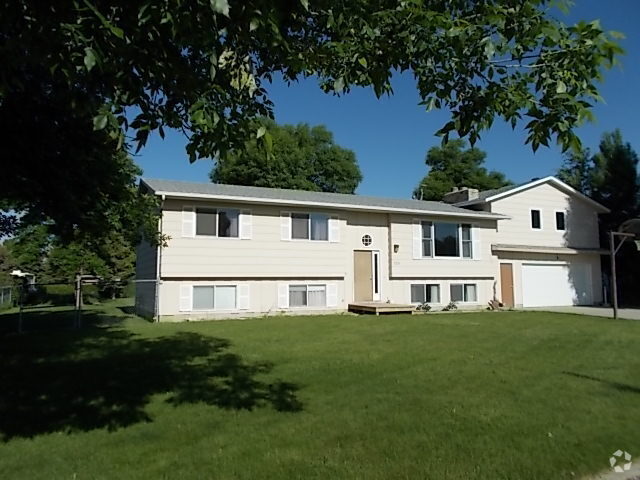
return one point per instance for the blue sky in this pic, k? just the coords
(390, 136)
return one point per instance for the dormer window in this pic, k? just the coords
(536, 220)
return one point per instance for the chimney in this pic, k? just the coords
(462, 194)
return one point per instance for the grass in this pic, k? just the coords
(505, 395)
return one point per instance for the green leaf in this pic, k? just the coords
(220, 6)
(89, 58)
(100, 121)
(561, 87)
(338, 84)
(305, 4)
(261, 131)
(362, 61)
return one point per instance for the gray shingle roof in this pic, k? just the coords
(279, 195)
(484, 194)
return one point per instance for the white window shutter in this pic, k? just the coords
(334, 229)
(243, 296)
(186, 297)
(285, 225)
(477, 245)
(283, 295)
(188, 221)
(332, 295)
(417, 238)
(246, 225)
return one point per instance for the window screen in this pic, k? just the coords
(228, 222)
(203, 298)
(319, 227)
(297, 295)
(300, 226)
(205, 221)
(427, 243)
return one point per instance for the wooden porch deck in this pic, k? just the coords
(380, 307)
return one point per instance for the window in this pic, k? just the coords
(221, 222)
(218, 297)
(306, 226)
(441, 239)
(425, 293)
(366, 240)
(467, 243)
(307, 295)
(560, 221)
(206, 221)
(464, 292)
(427, 242)
(536, 222)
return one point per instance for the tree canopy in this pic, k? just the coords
(304, 158)
(84, 81)
(610, 176)
(451, 165)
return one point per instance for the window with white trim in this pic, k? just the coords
(309, 226)
(307, 295)
(536, 219)
(425, 293)
(217, 222)
(561, 221)
(463, 292)
(214, 297)
(443, 239)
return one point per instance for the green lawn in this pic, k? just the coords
(445, 396)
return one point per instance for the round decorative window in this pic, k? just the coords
(366, 240)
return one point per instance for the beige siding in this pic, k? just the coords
(402, 291)
(581, 219)
(404, 265)
(265, 254)
(263, 298)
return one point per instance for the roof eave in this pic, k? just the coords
(340, 206)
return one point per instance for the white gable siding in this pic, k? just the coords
(581, 219)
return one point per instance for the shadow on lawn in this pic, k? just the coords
(104, 378)
(623, 387)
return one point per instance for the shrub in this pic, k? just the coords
(423, 307)
(450, 307)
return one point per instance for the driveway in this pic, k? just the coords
(627, 313)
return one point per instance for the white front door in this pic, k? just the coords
(556, 284)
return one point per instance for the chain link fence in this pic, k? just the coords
(62, 305)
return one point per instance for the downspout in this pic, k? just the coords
(156, 306)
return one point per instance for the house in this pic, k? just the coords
(549, 249)
(243, 251)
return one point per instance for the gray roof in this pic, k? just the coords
(174, 188)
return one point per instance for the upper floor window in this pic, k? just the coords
(305, 226)
(441, 239)
(560, 221)
(536, 219)
(220, 222)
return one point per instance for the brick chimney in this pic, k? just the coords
(462, 194)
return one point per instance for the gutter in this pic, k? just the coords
(339, 206)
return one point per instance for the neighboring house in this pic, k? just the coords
(243, 251)
(549, 249)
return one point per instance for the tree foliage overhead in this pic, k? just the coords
(304, 158)
(82, 80)
(451, 165)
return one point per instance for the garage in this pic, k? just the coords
(556, 284)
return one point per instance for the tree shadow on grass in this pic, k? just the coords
(104, 378)
(623, 387)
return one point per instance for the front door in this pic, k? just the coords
(506, 284)
(363, 276)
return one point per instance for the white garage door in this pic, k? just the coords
(553, 284)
